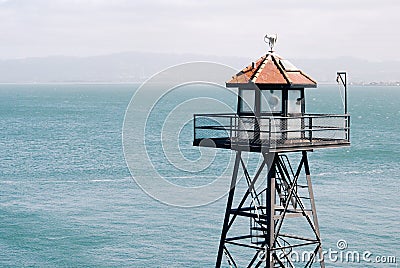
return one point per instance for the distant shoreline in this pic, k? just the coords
(70, 83)
(375, 84)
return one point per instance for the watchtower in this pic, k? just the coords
(271, 119)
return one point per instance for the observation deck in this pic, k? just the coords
(271, 133)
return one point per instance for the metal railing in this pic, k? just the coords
(274, 131)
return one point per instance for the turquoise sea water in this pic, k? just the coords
(67, 198)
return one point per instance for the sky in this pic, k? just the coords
(365, 29)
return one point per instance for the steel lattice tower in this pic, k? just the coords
(271, 120)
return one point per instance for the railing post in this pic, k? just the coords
(256, 135)
(302, 131)
(237, 127)
(310, 125)
(230, 129)
(269, 134)
(194, 127)
(348, 127)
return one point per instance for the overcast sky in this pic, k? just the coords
(367, 29)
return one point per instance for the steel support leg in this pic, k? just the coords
(228, 210)
(314, 211)
(270, 205)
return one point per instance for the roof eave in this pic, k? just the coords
(249, 85)
(303, 86)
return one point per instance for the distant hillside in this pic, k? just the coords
(359, 71)
(137, 66)
(121, 67)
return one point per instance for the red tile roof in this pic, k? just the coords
(271, 69)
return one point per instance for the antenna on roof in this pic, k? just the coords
(270, 39)
(341, 79)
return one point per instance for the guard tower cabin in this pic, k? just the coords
(271, 114)
(271, 120)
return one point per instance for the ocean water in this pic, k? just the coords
(67, 198)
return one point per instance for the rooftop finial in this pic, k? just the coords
(271, 40)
